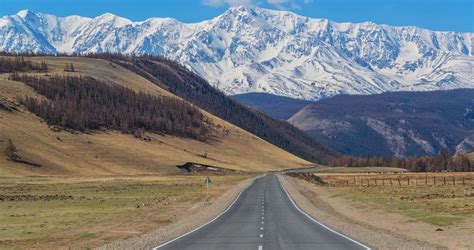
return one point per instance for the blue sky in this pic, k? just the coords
(444, 15)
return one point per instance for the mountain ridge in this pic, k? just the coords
(401, 124)
(258, 50)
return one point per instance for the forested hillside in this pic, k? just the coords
(445, 161)
(83, 103)
(181, 82)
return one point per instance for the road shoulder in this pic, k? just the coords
(367, 226)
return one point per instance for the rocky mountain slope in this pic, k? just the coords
(392, 124)
(259, 50)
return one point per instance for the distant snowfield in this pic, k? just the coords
(259, 50)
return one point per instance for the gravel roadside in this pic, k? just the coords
(205, 213)
(345, 219)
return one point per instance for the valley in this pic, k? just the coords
(62, 186)
(236, 125)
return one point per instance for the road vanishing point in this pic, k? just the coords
(263, 216)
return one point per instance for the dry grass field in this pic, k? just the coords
(440, 199)
(112, 153)
(61, 212)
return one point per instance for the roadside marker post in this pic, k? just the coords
(207, 181)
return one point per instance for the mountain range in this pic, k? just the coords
(258, 50)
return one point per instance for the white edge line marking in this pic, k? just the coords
(260, 248)
(217, 217)
(317, 222)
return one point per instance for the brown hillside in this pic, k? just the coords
(113, 153)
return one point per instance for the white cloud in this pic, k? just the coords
(279, 4)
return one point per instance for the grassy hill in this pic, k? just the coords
(111, 152)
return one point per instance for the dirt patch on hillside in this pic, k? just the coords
(377, 228)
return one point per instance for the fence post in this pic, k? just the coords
(391, 182)
(434, 180)
(444, 181)
(408, 180)
(463, 181)
(426, 180)
(399, 182)
(454, 180)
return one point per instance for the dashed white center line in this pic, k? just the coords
(260, 248)
(261, 228)
(261, 235)
(263, 222)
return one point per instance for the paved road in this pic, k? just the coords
(263, 217)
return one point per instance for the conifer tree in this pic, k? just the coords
(11, 151)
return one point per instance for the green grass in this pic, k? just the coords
(37, 214)
(439, 206)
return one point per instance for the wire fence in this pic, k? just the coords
(390, 180)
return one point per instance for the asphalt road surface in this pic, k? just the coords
(263, 217)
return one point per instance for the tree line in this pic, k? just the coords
(84, 103)
(20, 64)
(445, 161)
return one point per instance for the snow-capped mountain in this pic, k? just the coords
(259, 50)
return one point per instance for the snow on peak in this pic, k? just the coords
(251, 49)
(24, 13)
(113, 19)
